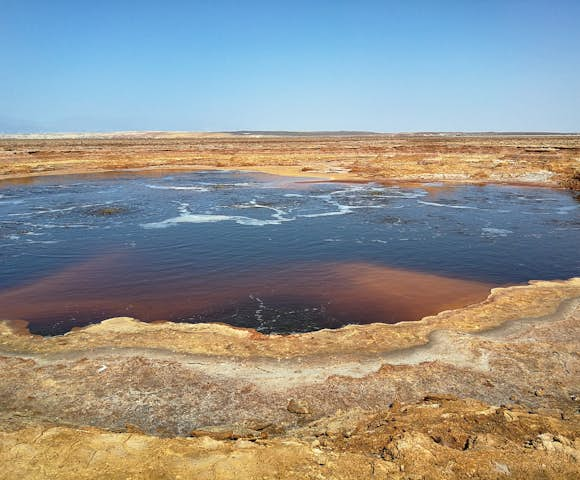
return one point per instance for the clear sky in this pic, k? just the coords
(446, 65)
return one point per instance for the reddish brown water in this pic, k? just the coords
(320, 294)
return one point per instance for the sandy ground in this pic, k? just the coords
(487, 391)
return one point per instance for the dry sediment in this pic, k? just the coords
(552, 160)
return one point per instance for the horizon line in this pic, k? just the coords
(64, 134)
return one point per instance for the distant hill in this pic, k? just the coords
(356, 133)
(265, 133)
(287, 133)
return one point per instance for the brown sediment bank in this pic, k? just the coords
(486, 391)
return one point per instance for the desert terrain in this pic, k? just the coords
(550, 160)
(487, 391)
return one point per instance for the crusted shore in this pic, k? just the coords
(484, 391)
(487, 391)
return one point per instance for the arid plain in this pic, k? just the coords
(491, 390)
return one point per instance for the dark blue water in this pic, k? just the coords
(267, 252)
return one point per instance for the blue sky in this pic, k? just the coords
(470, 65)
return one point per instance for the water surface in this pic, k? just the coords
(273, 253)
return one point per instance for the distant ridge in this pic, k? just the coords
(354, 133)
(169, 134)
(289, 133)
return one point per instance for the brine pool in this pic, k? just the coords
(273, 253)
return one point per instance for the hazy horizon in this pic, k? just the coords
(223, 66)
(281, 132)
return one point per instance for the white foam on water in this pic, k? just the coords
(533, 199)
(326, 196)
(218, 172)
(213, 218)
(183, 208)
(44, 242)
(221, 184)
(67, 225)
(278, 217)
(343, 211)
(186, 216)
(495, 232)
(196, 188)
(566, 210)
(42, 212)
(260, 223)
(204, 186)
(352, 189)
(386, 192)
(255, 204)
(402, 195)
(342, 208)
(435, 204)
(279, 214)
(259, 314)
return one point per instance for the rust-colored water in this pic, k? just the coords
(316, 294)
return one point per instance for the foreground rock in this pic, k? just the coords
(432, 439)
